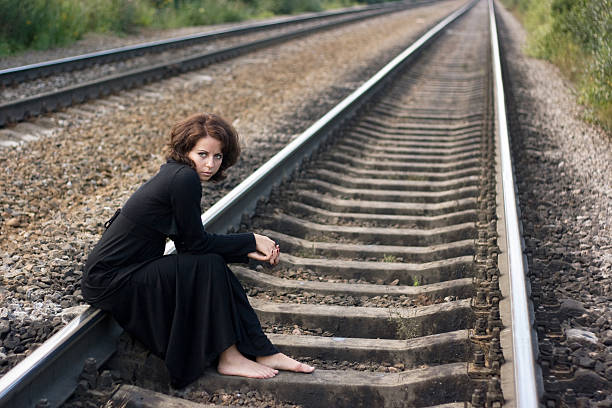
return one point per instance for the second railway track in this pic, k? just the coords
(46, 87)
(391, 281)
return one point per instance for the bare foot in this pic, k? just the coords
(282, 362)
(232, 362)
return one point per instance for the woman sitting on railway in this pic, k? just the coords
(187, 308)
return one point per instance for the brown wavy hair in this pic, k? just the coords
(186, 133)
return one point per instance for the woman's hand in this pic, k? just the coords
(267, 250)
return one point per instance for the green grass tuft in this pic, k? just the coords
(389, 258)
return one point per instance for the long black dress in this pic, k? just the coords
(186, 308)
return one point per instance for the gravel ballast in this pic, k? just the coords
(564, 177)
(58, 191)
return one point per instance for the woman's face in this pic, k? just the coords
(207, 156)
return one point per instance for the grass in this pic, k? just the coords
(389, 258)
(575, 36)
(405, 328)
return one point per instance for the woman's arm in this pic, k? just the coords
(185, 195)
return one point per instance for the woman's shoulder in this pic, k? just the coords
(178, 170)
(180, 175)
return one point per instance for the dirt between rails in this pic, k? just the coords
(295, 330)
(56, 192)
(372, 366)
(305, 297)
(248, 398)
(299, 273)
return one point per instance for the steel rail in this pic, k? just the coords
(32, 106)
(525, 381)
(32, 71)
(45, 374)
(52, 370)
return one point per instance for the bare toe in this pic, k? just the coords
(282, 362)
(304, 368)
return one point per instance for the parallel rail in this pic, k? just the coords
(21, 109)
(23, 386)
(29, 72)
(527, 375)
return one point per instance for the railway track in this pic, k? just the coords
(49, 86)
(401, 253)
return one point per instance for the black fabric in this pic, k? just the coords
(188, 307)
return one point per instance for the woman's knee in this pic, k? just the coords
(215, 260)
(215, 264)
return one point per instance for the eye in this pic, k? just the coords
(218, 156)
(203, 154)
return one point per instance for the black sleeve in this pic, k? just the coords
(185, 196)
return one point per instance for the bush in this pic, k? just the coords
(290, 6)
(38, 23)
(191, 13)
(42, 24)
(587, 24)
(575, 36)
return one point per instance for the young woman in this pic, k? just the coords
(187, 308)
